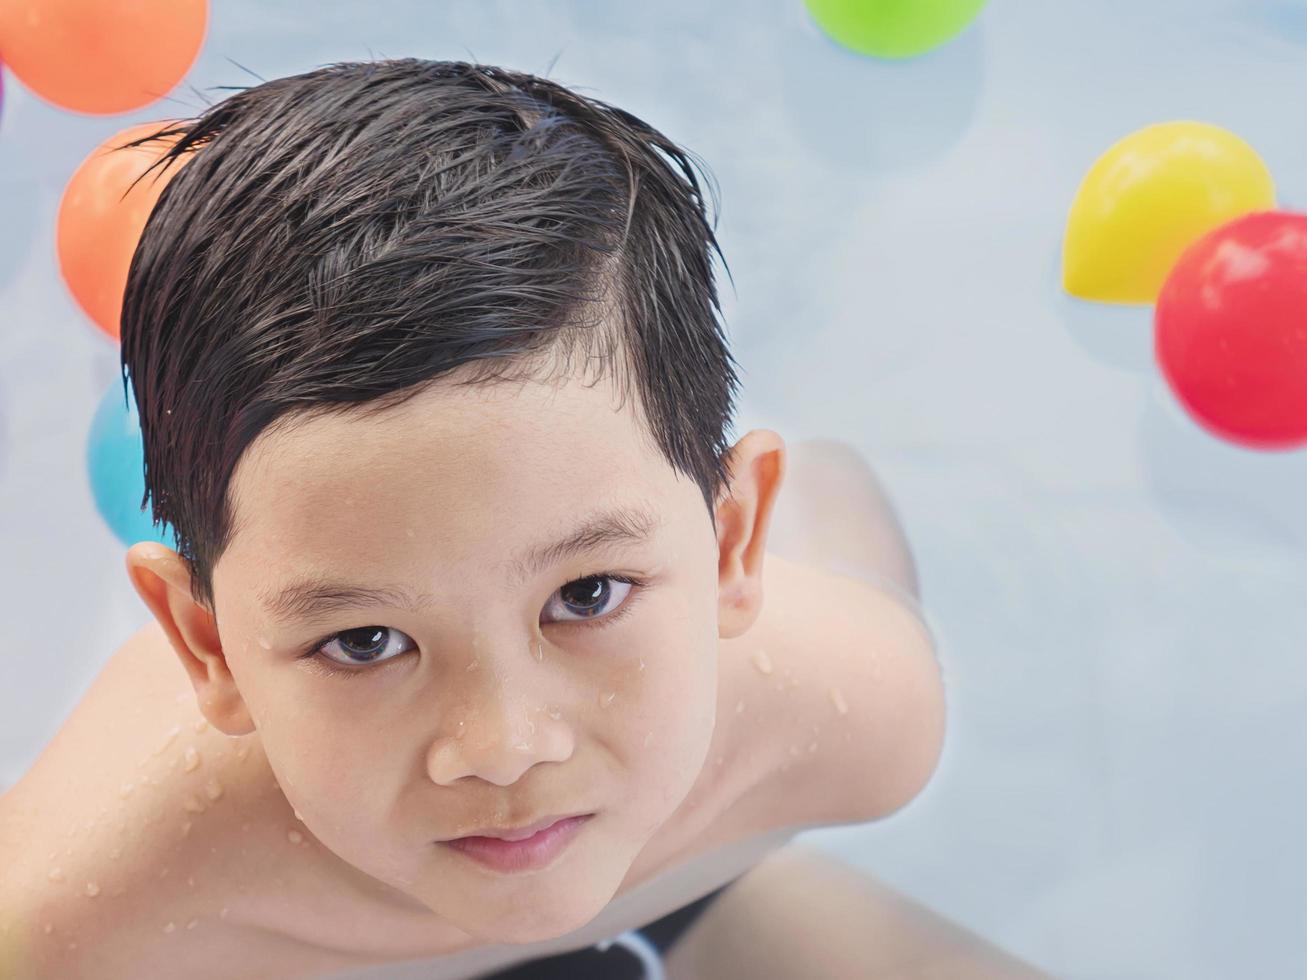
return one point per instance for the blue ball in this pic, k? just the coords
(115, 465)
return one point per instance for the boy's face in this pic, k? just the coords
(501, 696)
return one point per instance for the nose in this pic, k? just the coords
(499, 733)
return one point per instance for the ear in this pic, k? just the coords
(757, 463)
(161, 578)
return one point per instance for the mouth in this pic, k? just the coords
(528, 848)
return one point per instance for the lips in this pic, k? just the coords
(535, 852)
(521, 833)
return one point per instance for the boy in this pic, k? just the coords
(463, 659)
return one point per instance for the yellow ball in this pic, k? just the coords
(1149, 197)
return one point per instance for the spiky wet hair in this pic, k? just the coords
(338, 240)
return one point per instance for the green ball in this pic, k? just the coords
(893, 28)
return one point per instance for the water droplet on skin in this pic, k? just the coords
(555, 714)
(762, 662)
(720, 760)
(472, 665)
(47, 928)
(72, 945)
(168, 739)
(812, 747)
(294, 836)
(55, 875)
(223, 913)
(540, 651)
(163, 873)
(607, 699)
(263, 642)
(297, 815)
(739, 707)
(92, 889)
(642, 663)
(186, 828)
(190, 882)
(120, 890)
(522, 747)
(192, 805)
(192, 759)
(192, 924)
(242, 752)
(213, 789)
(170, 927)
(200, 724)
(838, 700)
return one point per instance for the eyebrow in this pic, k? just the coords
(630, 524)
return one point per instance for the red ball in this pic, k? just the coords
(1230, 330)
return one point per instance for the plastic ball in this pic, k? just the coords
(101, 58)
(893, 28)
(1230, 330)
(115, 463)
(1150, 196)
(98, 229)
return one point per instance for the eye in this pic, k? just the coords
(589, 598)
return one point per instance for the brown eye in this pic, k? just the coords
(592, 597)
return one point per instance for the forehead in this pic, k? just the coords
(463, 471)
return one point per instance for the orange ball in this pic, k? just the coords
(101, 58)
(99, 229)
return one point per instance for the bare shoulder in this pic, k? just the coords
(845, 692)
(106, 851)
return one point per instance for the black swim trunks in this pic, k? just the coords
(634, 955)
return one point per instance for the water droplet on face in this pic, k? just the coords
(192, 805)
(540, 651)
(163, 873)
(186, 828)
(47, 928)
(555, 714)
(192, 924)
(294, 836)
(522, 747)
(472, 665)
(739, 707)
(170, 927)
(190, 882)
(838, 700)
(642, 663)
(265, 643)
(607, 699)
(213, 789)
(812, 747)
(168, 739)
(192, 759)
(55, 874)
(92, 889)
(223, 913)
(200, 724)
(762, 662)
(242, 752)
(647, 739)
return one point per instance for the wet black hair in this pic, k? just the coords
(336, 241)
